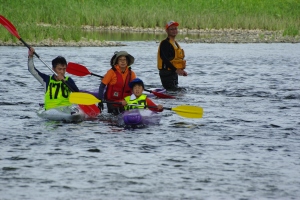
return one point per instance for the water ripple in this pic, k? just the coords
(246, 145)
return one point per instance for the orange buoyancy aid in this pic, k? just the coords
(178, 61)
(120, 89)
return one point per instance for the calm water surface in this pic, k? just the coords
(246, 146)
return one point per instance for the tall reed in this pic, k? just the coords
(54, 19)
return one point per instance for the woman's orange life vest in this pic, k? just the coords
(119, 89)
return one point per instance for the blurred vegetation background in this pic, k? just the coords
(36, 20)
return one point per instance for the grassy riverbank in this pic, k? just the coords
(37, 20)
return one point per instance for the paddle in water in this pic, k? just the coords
(80, 70)
(91, 110)
(182, 110)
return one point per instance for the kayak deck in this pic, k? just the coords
(139, 117)
(62, 113)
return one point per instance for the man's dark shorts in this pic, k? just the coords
(169, 79)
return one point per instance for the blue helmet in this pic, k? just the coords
(136, 81)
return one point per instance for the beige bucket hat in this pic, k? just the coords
(117, 54)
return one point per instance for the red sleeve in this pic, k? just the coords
(151, 104)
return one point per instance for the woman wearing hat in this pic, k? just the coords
(170, 58)
(116, 81)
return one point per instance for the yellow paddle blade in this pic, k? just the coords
(83, 98)
(188, 111)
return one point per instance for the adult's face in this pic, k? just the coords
(172, 31)
(60, 69)
(122, 62)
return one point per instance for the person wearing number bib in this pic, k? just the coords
(56, 92)
(170, 58)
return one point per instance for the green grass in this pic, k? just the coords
(67, 16)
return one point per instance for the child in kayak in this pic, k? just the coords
(138, 98)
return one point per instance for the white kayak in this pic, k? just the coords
(63, 113)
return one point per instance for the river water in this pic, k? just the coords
(246, 146)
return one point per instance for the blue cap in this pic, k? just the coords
(135, 81)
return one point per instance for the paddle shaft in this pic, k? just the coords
(148, 90)
(97, 75)
(80, 70)
(138, 105)
(182, 110)
(103, 77)
(146, 106)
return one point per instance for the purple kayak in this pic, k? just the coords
(139, 117)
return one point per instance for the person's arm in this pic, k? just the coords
(72, 84)
(150, 104)
(101, 96)
(167, 53)
(42, 78)
(101, 91)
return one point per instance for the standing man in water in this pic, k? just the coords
(170, 59)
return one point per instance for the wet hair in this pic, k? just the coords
(58, 60)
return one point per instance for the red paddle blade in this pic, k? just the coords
(77, 69)
(92, 110)
(160, 95)
(9, 26)
(163, 96)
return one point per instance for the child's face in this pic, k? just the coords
(137, 90)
